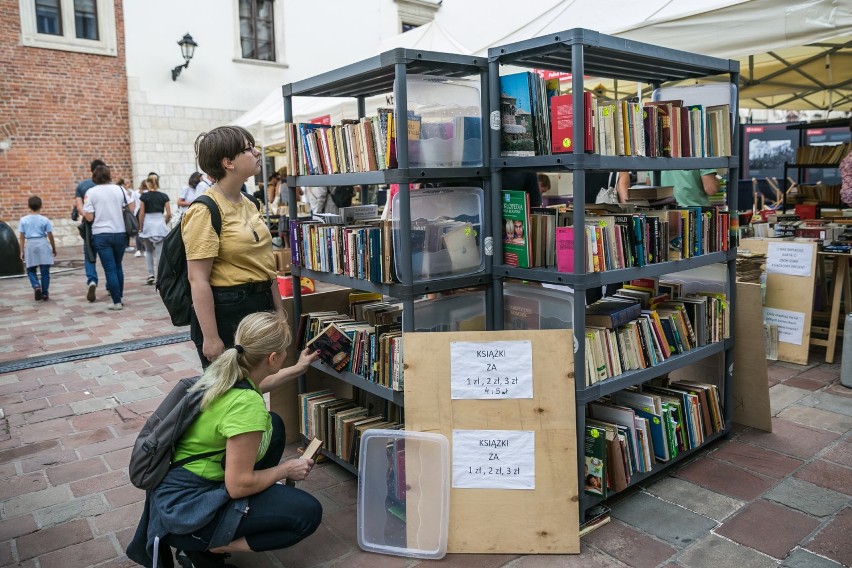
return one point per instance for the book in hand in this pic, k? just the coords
(334, 347)
(312, 449)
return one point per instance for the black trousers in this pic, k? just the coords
(231, 305)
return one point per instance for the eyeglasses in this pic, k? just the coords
(250, 148)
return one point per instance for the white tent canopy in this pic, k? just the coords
(794, 55)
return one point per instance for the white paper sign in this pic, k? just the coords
(491, 369)
(793, 259)
(493, 459)
(791, 325)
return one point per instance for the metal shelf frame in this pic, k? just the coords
(588, 53)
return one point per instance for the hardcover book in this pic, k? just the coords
(334, 347)
(516, 245)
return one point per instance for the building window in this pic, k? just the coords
(415, 13)
(86, 19)
(407, 27)
(257, 32)
(84, 26)
(48, 18)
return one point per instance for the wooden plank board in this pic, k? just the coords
(792, 293)
(499, 521)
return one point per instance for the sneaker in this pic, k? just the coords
(37, 294)
(130, 249)
(45, 297)
(90, 293)
(138, 254)
(115, 307)
(150, 281)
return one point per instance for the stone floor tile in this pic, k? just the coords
(790, 439)
(666, 521)
(53, 538)
(825, 375)
(468, 560)
(629, 545)
(322, 547)
(839, 390)
(828, 474)
(588, 558)
(86, 553)
(780, 374)
(726, 479)
(769, 528)
(716, 552)
(833, 541)
(756, 459)
(801, 558)
(807, 497)
(829, 402)
(781, 396)
(841, 453)
(804, 384)
(695, 498)
(817, 418)
(361, 559)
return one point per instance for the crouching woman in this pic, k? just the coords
(231, 500)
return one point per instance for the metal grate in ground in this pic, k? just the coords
(90, 352)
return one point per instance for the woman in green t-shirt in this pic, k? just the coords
(213, 505)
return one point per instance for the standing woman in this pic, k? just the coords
(103, 208)
(155, 212)
(231, 274)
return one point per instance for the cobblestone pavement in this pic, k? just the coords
(753, 500)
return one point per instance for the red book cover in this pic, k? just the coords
(562, 123)
(565, 249)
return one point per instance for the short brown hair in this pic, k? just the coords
(220, 143)
(101, 175)
(34, 203)
(544, 180)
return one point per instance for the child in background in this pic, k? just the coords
(37, 247)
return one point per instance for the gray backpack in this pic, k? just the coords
(151, 458)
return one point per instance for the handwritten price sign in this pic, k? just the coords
(491, 370)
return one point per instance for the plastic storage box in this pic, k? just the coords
(533, 307)
(444, 122)
(459, 312)
(404, 493)
(446, 232)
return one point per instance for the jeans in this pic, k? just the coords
(278, 517)
(45, 277)
(110, 248)
(91, 268)
(230, 308)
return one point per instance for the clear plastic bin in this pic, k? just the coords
(404, 493)
(533, 307)
(446, 232)
(445, 122)
(459, 312)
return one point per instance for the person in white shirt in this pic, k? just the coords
(193, 189)
(103, 209)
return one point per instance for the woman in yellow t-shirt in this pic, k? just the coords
(231, 274)
(227, 496)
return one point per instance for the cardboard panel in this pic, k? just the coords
(502, 521)
(792, 293)
(750, 378)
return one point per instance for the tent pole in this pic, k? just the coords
(263, 172)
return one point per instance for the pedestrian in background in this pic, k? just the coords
(103, 209)
(231, 273)
(37, 247)
(85, 229)
(143, 187)
(155, 213)
(132, 204)
(189, 193)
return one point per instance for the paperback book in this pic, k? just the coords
(334, 347)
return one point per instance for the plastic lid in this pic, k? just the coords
(404, 493)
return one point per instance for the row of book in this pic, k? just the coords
(361, 250)
(537, 119)
(367, 343)
(828, 155)
(631, 430)
(340, 422)
(626, 332)
(647, 236)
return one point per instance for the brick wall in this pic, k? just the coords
(66, 109)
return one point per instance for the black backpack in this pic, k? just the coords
(172, 277)
(151, 457)
(342, 195)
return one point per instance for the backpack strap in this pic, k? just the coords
(253, 199)
(241, 384)
(215, 215)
